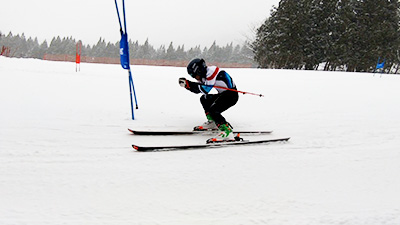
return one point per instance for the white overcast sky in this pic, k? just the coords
(161, 21)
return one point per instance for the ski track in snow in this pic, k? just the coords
(66, 155)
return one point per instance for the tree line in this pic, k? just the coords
(23, 47)
(346, 35)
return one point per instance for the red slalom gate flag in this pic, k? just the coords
(78, 59)
(78, 55)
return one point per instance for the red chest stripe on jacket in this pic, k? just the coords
(214, 74)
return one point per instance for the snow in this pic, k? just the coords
(66, 155)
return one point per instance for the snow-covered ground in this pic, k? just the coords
(66, 155)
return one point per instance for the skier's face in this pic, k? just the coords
(197, 77)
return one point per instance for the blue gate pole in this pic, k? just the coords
(124, 52)
(130, 93)
(133, 89)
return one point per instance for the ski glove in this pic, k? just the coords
(189, 85)
(183, 82)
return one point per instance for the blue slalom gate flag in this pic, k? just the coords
(380, 65)
(124, 51)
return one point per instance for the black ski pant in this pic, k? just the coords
(215, 104)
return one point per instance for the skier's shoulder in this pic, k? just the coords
(212, 72)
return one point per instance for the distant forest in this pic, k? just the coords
(22, 47)
(348, 35)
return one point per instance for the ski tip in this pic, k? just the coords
(143, 148)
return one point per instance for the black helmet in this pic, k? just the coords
(197, 67)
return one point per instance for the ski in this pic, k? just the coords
(170, 132)
(204, 146)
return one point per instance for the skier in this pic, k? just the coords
(213, 104)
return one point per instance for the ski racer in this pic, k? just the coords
(209, 77)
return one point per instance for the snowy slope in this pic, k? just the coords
(66, 156)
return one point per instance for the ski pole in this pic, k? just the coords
(242, 92)
(230, 89)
